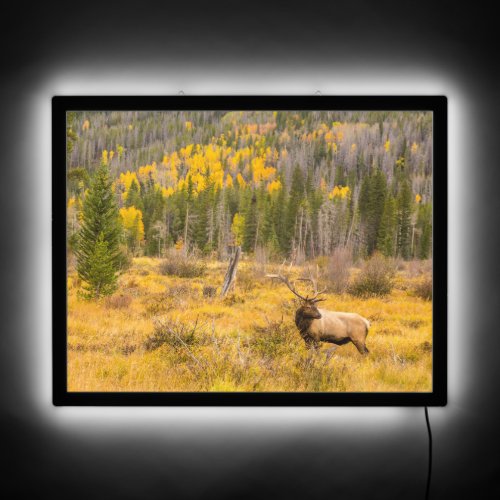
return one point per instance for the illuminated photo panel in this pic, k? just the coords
(250, 250)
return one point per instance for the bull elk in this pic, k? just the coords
(320, 325)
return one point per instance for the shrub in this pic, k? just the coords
(418, 268)
(182, 266)
(156, 304)
(274, 338)
(375, 278)
(337, 270)
(174, 333)
(232, 299)
(209, 291)
(423, 288)
(245, 280)
(118, 301)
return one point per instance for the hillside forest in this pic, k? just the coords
(297, 184)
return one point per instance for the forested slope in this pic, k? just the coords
(297, 184)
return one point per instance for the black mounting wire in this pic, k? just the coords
(430, 454)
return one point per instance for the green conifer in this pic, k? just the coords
(99, 238)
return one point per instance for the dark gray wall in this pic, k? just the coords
(248, 47)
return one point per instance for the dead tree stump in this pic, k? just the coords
(230, 277)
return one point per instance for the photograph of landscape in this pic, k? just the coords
(249, 251)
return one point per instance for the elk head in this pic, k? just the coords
(308, 308)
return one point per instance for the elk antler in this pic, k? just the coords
(315, 287)
(287, 283)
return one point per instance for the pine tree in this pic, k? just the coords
(71, 136)
(134, 196)
(371, 207)
(364, 197)
(99, 238)
(153, 211)
(424, 221)
(294, 202)
(388, 224)
(101, 276)
(250, 234)
(279, 217)
(378, 190)
(339, 175)
(404, 220)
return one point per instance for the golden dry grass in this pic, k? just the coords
(245, 342)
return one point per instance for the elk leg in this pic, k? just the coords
(329, 353)
(361, 347)
(311, 343)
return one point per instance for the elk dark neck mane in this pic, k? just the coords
(302, 322)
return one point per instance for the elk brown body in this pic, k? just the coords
(321, 325)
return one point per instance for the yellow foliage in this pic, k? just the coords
(111, 154)
(229, 181)
(353, 148)
(171, 173)
(242, 183)
(120, 150)
(339, 192)
(86, 125)
(260, 171)
(274, 186)
(167, 192)
(146, 171)
(238, 228)
(189, 126)
(132, 221)
(199, 182)
(125, 180)
(418, 198)
(104, 157)
(226, 152)
(216, 177)
(212, 153)
(186, 152)
(179, 244)
(174, 160)
(414, 147)
(387, 145)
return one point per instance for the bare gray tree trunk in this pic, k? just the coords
(230, 277)
(186, 231)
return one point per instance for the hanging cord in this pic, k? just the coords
(430, 454)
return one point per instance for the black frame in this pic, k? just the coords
(436, 104)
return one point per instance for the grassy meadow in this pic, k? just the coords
(166, 333)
